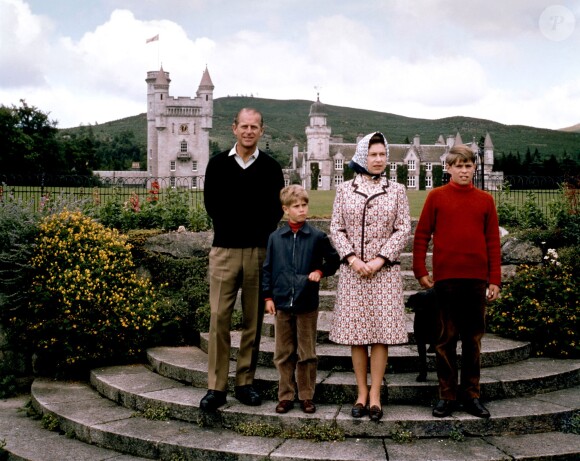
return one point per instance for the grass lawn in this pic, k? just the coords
(321, 202)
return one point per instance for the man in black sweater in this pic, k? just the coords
(241, 195)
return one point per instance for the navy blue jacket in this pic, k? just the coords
(290, 257)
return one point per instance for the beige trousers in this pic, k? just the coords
(232, 269)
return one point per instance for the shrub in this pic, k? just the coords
(566, 216)
(530, 216)
(87, 306)
(541, 304)
(168, 213)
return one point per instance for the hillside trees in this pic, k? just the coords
(31, 144)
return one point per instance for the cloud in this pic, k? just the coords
(24, 49)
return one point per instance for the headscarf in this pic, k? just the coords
(359, 159)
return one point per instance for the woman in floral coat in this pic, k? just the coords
(370, 226)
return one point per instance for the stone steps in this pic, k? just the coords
(137, 387)
(88, 417)
(189, 365)
(402, 358)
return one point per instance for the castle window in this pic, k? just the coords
(172, 182)
(338, 164)
(411, 165)
(428, 182)
(428, 166)
(183, 146)
(319, 180)
(444, 165)
(194, 182)
(172, 165)
(393, 178)
(194, 165)
(411, 182)
(338, 178)
(286, 182)
(393, 166)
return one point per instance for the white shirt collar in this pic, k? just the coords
(240, 160)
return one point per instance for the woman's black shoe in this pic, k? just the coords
(358, 410)
(376, 413)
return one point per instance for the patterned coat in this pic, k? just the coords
(370, 218)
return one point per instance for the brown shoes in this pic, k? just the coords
(284, 406)
(307, 406)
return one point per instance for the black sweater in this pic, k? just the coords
(244, 204)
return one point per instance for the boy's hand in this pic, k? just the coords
(314, 276)
(492, 292)
(270, 307)
(426, 282)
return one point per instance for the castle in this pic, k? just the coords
(178, 130)
(177, 136)
(328, 155)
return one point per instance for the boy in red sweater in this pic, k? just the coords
(462, 220)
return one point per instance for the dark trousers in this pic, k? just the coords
(461, 316)
(295, 355)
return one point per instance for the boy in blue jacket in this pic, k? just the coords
(298, 256)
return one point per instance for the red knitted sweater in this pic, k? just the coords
(463, 223)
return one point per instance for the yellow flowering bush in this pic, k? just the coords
(541, 304)
(87, 304)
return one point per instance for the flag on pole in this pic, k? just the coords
(152, 39)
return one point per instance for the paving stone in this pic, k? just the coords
(546, 446)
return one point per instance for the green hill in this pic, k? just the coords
(287, 119)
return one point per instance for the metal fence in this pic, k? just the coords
(41, 188)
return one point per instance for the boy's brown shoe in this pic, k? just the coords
(284, 406)
(308, 406)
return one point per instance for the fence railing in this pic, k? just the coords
(98, 191)
(40, 188)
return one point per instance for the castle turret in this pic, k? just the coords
(205, 94)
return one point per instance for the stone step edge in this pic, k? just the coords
(138, 388)
(115, 428)
(25, 439)
(189, 365)
(402, 358)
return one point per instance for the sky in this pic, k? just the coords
(85, 61)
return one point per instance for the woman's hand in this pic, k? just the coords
(361, 268)
(376, 264)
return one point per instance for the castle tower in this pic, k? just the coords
(178, 132)
(157, 95)
(317, 147)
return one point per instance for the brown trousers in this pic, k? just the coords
(232, 269)
(295, 354)
(461, 316)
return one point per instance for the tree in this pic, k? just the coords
(315, 171)
(28, 141)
